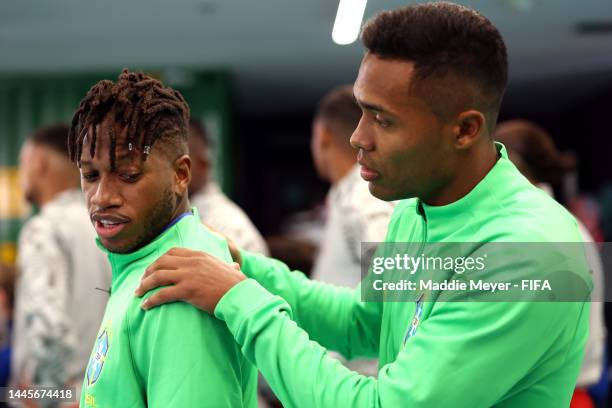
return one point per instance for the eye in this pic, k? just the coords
(130, 178)
(89, 176)
(381, 121)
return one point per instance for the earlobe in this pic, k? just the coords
(470, 125)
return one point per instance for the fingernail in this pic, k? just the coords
(137, 291)
(145, 304)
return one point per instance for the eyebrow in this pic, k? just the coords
(371, 106)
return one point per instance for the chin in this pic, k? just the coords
(387, 194)
(380, 193)
(118, 247)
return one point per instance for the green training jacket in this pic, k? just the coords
(431, 353)
(173, 355)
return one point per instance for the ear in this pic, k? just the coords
(469, 127)
(41, 160)
(327, 138)
(182, 174)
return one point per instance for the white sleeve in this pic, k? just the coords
(43, 337)
(371, 220)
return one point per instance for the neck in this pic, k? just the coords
(342, 165)
(182, 207)
(472, 170)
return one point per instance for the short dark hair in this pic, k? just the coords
(440, 39)
(339, 110)
(200, 131)
(55, 137)
(137, 101)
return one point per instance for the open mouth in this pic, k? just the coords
(108, 226)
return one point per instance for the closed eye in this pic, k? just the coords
(131, 178)
(89, 176)
(381, 121)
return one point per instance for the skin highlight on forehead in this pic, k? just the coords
(372, 83)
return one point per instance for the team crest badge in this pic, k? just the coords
(416, 319)
(96, 362)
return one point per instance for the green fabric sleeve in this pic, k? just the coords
(186, 357)
(334, 317)
(455, 359)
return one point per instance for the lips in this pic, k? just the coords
(108, 225)
(367, 173)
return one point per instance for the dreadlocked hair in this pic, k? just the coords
(149, 110)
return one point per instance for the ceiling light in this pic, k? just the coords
(348, 21)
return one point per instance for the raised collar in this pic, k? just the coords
(495, 179)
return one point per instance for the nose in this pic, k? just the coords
(361, 138)
(105, 194)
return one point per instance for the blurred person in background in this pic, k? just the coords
(215, 208)
(219, 212)
(7, 290)
(58, 308)
(533, 151)
(353, 214)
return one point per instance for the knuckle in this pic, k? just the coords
(153, 299)
(152, 281)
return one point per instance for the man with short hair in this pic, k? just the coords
(129, 139)
(215, 208)
(57, 305)
(353, 214)
(430, 86)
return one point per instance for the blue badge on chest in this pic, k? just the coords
(416, 319)
(96, 362)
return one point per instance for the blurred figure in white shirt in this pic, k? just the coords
(57, 307)
(353, 214)
(215, 208)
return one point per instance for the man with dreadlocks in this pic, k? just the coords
(129, 139)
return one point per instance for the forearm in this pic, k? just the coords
(435, 367)
(333, 316)
(297, 368)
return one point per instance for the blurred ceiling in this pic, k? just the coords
(280, 53)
